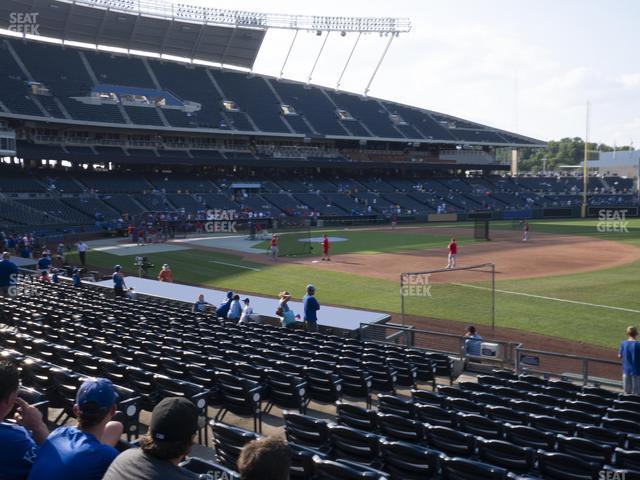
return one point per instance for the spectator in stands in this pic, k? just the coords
(311, 307)
(82, 252)
(287, 317)
(119, 284)
(44, 263)
(83, 452)
(235, 309)
(473, 341)
(223, 308)
(267, 458)
(174, 423)
(165, 275)
(200, 306)
(54, 276)
(247, 312)
(25, 251)
(8, 276)
(75, 278)
(19, 447)
(44, 277)
(274, 247)
(60, 253)
(629, 353)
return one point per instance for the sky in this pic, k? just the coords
(528, 67)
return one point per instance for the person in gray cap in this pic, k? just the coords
(174, 423)
(311, 306)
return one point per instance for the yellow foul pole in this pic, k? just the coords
(585, 168)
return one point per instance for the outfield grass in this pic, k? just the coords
(599, 326)
(591, 227)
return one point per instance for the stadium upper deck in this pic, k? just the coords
(92, 88)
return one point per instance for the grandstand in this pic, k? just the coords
(92, 141)
(500, 425)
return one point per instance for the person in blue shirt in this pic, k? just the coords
(44, 263)
(119, 285)
(19, 447)
(629, 353)
(8, 275)
(76, 279)
(54, 277)
(200, 306)
(473, 341)
(310, 306)
(83, 452)
(223, 308)
(235, 309)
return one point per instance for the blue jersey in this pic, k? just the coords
(311, 306)
(117, 281)
(473, 344)
(18, 452)
(630, 353)
(8, 273)
(71, 454)
(44, 263)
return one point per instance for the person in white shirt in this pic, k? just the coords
(82, 252)
(247, 312)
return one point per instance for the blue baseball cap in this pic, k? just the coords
(96, 394)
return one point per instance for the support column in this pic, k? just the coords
(514, 161)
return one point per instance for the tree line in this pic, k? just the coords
(566, 151)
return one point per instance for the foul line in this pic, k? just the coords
(622, 309)
(234, 265)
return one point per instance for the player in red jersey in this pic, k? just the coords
(274, 247)
(525, 232)
(325, 248)
(453, 251)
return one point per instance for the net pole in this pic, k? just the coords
(402, 297)
(493, 298)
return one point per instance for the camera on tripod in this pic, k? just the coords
(143, 265)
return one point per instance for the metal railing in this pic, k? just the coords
(588, 370)
(441, 342)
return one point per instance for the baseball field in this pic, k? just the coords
(574, 282)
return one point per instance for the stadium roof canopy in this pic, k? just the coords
(120, 24)
(229, 37)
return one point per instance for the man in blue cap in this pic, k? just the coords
(86, 451)
(119, 285)
(223, 308)
(311, 307)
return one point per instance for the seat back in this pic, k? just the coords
(400, 428)
(354, 445)
(560, 466)
(506, 455)
(408, 461)
(463, 469)
(306, 431)
(228, 442)
(450, 441)
(356, 417)
(525, 436)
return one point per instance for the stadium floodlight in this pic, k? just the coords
(239, 18)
